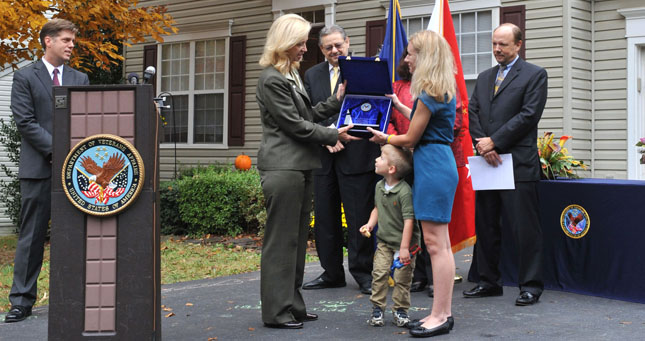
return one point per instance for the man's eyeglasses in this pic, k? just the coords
(331, 47)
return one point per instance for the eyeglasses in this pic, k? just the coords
(331, 47)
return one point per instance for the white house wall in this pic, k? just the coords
(581, 44)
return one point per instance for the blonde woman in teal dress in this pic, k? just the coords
(435, 171)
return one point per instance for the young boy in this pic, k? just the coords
(396, 232)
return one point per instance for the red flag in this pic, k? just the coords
(462, 223)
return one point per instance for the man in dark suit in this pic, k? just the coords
(32, 106)
(505, 109)
(347, 176)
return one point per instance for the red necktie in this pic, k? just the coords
(56, 82)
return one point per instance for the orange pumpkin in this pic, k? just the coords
(243, 162)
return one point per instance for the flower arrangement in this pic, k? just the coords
(555, 159)
(641, 143)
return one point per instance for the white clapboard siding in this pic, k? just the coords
(252, 19)
(580, 43)
(610, 93)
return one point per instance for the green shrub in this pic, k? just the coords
(10, 190)
(171, 222)
(212, 199)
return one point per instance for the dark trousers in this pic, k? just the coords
(287, 196)
(356, 192)
(34, 215)
(518, 208)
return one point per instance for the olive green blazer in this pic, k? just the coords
(289, 134)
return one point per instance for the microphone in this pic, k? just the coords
(133, 78)
(148, 73)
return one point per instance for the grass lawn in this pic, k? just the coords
(181, 260)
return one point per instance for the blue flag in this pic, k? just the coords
(395, 39)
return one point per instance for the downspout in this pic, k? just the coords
(593, 88)
(567, 84)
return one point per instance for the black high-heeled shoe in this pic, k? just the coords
(441, 329)
(416, 323)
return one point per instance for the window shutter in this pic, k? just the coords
(150, 59)
(236, 84)
(515, 15)
(374, 35)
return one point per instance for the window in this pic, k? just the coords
(195, 74)
(314, 17)
(474, 31)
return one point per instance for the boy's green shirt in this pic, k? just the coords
(393, 207)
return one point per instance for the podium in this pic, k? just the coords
(105, 257)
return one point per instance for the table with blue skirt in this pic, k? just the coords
(594, 238)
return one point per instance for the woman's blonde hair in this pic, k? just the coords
(435, 67)
(285, 32)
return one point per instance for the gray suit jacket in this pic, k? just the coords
(289, 136)
(32, 104)
(510, 116)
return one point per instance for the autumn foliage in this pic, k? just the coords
(103, 26)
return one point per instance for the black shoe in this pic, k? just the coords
(320, 283)
(285, 325)
(17, 313)
(365, 288)
(309, 317)
(416, 323)
(480, 291)
(418, 286)
(443, 328)
(526, 298)
(431, 290)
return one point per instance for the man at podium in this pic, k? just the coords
(32, 107)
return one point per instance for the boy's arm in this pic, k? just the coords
(406, 237)
(367, 228)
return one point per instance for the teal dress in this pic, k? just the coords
(435, 170)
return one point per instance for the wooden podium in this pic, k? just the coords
(105, 258)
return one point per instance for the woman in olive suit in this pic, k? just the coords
(286, 158)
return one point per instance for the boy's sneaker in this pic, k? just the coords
(377, 318)
(401, 318)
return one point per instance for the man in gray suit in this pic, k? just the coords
(505, 109)
(32, 106)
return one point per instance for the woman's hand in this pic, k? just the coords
(394, 98)
(344, 136)
(340, 94)
(378, 136)
(396, 104)
(335, 149)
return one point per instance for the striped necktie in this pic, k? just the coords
(334, 78)
(500, 76)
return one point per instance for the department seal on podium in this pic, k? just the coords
(103, 174)
(575, 221)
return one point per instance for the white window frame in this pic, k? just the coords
(456, 7)
(280, 7)
(220, 31)
(635, 34)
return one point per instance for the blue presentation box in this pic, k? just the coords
(365, 104)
